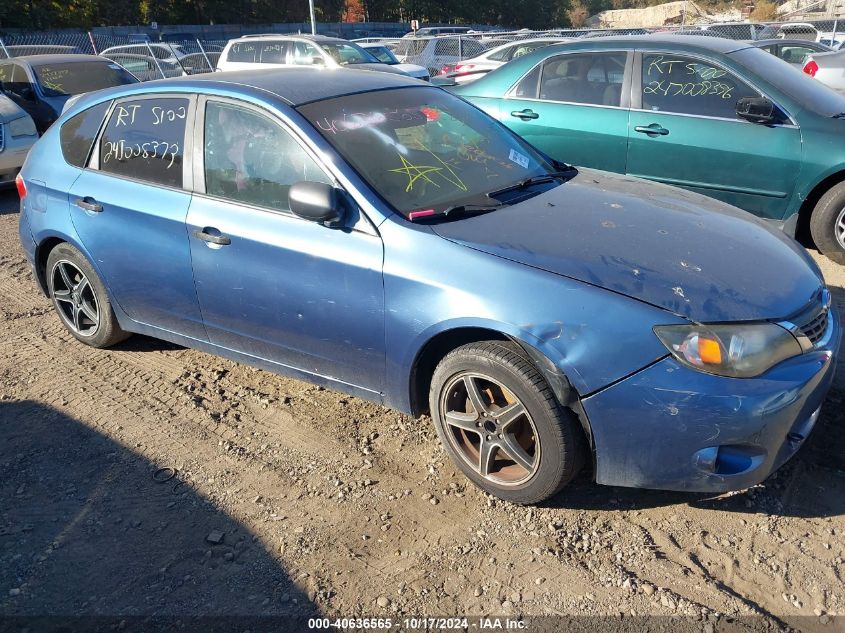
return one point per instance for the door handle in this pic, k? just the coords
(525, 114)
(89, 204)
(655, 129)
(220, 240)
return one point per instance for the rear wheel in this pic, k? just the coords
(827, 224)
(80, 298)
(501, 424)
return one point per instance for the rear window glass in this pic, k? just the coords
(144, 139)
(243, 52)
(60, 80)
(78, 133)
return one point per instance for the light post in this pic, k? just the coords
(313, 22)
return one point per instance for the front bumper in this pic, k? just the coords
(673, 428)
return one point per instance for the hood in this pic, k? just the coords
(384, 68)
(694, 256)
(412, 69)
(9, 110)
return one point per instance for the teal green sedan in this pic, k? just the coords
(716, 116)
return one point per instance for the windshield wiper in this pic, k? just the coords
(534, 180)
(454, 210)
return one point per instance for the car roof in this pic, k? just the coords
(777, 40)
(296, 86)
(290, 36)
(64, 58)
(715, 44)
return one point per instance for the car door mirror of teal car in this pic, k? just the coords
(317, 202)
(756, 110)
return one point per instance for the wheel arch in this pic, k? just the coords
(42, 253)
(802, 229)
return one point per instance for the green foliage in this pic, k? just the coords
(51, 14)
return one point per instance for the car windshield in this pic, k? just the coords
(382, 54)
(424, 150)
(809, 93)
(348, 53)
(61, 80)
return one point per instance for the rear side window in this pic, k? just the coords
(78, 133)
(144, 139)
(591, 78)
(273, 52)
(243, 52)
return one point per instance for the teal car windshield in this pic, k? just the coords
(424, 150)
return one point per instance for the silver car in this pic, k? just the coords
(828, 68)
(17, 135)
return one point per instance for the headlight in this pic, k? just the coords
(23, 126)
(739, 350)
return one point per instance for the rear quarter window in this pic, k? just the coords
(78, 133)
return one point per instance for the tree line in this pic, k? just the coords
(52, 14)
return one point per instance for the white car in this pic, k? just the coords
(471, 69)
(280, 51)
(386, 56)
(17, 135)
(160, 50)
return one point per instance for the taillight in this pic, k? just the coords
(446, 69)
(21, 186)
(811, 68)
(464, 68)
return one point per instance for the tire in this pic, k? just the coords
(550, 437)
(827, 224)
(80, 298)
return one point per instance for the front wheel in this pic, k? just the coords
(827, 224)
(501, 424)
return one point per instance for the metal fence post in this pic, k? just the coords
(155, 59)
(3, 46)
(93, 44)
(204, 54)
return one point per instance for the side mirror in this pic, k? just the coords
(756, 110)
(316, 201)
(318, 61)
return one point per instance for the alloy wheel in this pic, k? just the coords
(75, 299)
(839, 228)
(490, 429)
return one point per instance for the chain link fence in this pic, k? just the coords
(171, 53)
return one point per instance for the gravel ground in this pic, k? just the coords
(288, 498)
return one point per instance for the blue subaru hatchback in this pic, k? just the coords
(380, 236)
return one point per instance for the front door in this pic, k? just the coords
(571, 106)
(129, 208)
(270, 284)
(684, 131)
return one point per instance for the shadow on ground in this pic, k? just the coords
(87, 530)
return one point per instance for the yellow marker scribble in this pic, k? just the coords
(415, 172)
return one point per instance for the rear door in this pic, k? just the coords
(574, 107)
(684, 131)
(129, 209)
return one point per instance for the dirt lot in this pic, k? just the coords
(333, 505)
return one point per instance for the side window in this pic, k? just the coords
(274, 52)
(673, 83)
(249, 158)
(527, 87)
(145, 139)
(15, 81)
(78, 133)
(242, 52)
(446, 46)
(304, 53)
(794, 54)
(590, 78)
